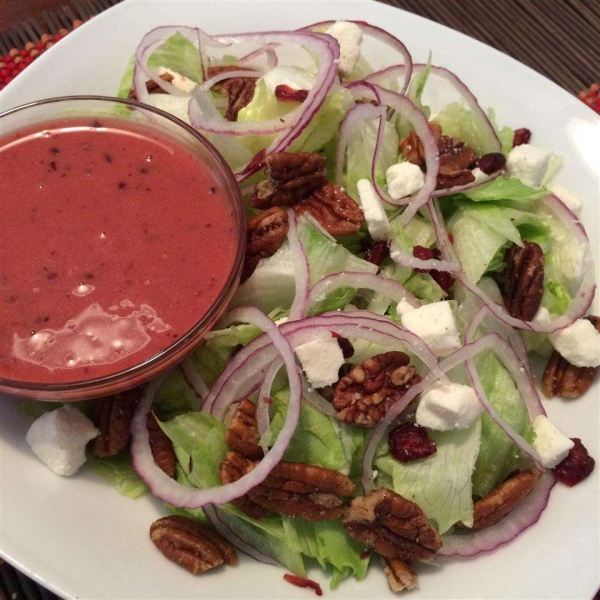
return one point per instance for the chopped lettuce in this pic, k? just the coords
(175, 394)
(118, 471)
(441, 483)
(423, 286)
(497, 455)
(508, 191)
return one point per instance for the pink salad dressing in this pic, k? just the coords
(115, 240)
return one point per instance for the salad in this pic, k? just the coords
(369, 395)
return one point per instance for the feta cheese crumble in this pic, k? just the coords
(448, 406)
(404, 306)
(528, 163)
(435, 324)
(58, 438)
(551, 444)
(478, 174)
(377, 222)
(349, 36)
(404, 179)
(321, 361)
(578, 343)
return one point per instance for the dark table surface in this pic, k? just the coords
(558, 38)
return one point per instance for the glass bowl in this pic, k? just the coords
(54, 109)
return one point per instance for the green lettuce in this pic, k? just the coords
(507, 191)
(175, 394)
(441, 483)
(423, 286)
(497, 455)
(118, 471)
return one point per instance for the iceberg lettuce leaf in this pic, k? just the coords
(118, 471)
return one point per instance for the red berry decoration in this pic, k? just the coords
(377, 253)
(522, 136)
(576, 467)
(410, 442)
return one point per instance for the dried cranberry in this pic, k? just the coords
(410, 442)
(285, 93)
(576, 467)
(443, 279)
(490, 163)
(377, 253)
(346, 347)
(522, 136)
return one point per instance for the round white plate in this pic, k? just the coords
(82, 539)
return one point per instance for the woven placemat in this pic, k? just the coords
(558, 38)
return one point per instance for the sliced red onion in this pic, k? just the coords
(262, 406)
(407, 110)
(150, 42)
(247, 367)
(167, 489)
(457, 189)
(490, 341)
(383, 36)
(301, 269)
(581, 301)
(384, 75)
(389, 288)
(524, 515)
(267, 50)
(194, 379)
(229, 527)
(405, 259)
(355, 115)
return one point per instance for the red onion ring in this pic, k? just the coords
(407, 110)
(490, 341)
(354, 116)
(380, 77)
(270, 53)
(385, 286)
(193, 378)
(526, 514)
(383, 36)
(262, 406)
(152, 40)
(301, 269)
(167, 489)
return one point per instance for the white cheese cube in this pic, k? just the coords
(542, 316)
(58, 438)
(572, 202)
(448, 406)
(404, 179)
(281, 321)
(377, 222)
(528, 163)
(321, 361)
(181, 82)
(578, 343)
(349, 36)
(403, 307)
(435, 324)
(478, 174)
(294, 77)
(552, 444)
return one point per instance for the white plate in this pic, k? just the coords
(83, 540)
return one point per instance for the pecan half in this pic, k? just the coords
(456, 158)
(499, 502)
(265, 234)
(392, 526)
(160, 444)
(334, 209)
(240, 90)
(295, 489)
(233, 467)
(191, 545)
(242, 433)
(400, 575)
(112, 417)
(364, 396)
(522, 281)
(152, 86)
(561, 378)
(292, 177)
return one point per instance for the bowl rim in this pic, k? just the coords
(178, 350)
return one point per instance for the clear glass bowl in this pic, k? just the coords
(52, 109)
